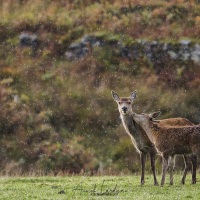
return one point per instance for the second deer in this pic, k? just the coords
(170, 141)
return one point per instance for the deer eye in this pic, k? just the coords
(129, 102)
(119, 102)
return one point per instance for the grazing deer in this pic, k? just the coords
(170, 141)
(138, 136)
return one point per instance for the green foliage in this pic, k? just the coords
(68, 157)
(124, 156)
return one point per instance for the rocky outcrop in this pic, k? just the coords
(155, 51)
(31, 40)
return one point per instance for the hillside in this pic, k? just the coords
(60, 60)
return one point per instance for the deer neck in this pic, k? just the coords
(151, 131)
(132, 128)
(128, 122)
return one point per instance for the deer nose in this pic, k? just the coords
(124, 109)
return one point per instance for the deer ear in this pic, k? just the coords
(154, 115)
(115, 95)
(133, 95)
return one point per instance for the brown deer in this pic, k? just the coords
(170, 141)
(138, 136)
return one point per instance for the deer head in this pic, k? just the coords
(124, 103)
(145, 121)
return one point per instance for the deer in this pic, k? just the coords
(170, 141)
(140, 140)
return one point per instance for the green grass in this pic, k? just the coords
(96, 187)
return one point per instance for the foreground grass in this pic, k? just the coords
(103, 187)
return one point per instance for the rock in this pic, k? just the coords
(156, 52)
(195, 54)
(27, 39)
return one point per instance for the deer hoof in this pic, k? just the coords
(156, 184)
(193, 182)
(182, 183)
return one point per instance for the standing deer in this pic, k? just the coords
(171, 140)
(138, 136)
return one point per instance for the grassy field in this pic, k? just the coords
(96, 187)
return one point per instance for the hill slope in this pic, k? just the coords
(57, 111)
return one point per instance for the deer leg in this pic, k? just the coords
(143, 162)
(171, 169)
(153, 159)
(194, 167)
(187, 167)
(164, 168)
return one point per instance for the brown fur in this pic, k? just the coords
(138, 136)
(179, 121)
(182, 139)
(172, 140)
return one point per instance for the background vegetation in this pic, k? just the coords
(57, 115)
